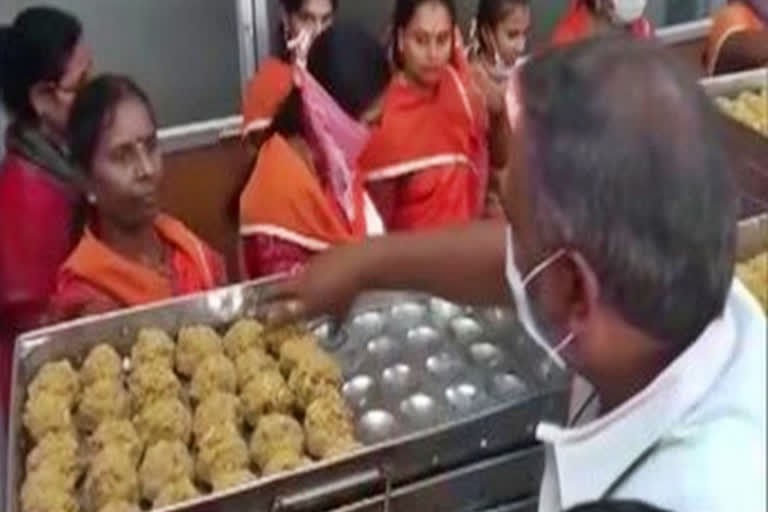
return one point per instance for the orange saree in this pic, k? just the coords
(731, 19)
(95, 279)
(266, 90)
(306, 193)
(286, 202)
(428, 158)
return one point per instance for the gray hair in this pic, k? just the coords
(628, 168)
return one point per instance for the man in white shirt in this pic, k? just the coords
(619, 254)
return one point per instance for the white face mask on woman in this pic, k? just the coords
(518, 285)
(501, 70)
(299, 46)
(628, 11)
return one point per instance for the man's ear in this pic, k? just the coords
(585, 294)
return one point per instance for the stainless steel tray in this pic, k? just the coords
(473, 487)
(479, 413)
(732, 84)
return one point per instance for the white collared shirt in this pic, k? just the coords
(694, 440)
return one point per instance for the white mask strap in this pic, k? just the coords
(554, 353)
(541, 267)
(564, 344)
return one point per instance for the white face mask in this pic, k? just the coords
(628, 11)
(299, 46)
(502, 70)
(518, 285)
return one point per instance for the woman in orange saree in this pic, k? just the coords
(739, 37)
(587, 18)
(306, 193)
(427, 161)
(131, 253)
(301, 22)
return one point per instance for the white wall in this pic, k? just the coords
(5, 12)
(183, 52)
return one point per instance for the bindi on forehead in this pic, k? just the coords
(130, 124)
(432, 18)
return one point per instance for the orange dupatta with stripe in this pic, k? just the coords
(284, 199)
(434, 148)
(729, 20)
(131, 283)
(315, 200)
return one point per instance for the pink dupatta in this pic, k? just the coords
(338, 141)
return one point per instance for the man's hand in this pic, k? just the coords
(329, 284)
(463, 264)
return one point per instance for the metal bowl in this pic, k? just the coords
(421, 341)
(445, 366)
(378, 425)
(487, 355)
(420, 410)
(443, 311)
(466, 330)
(359, 391)
(384, 350)
(408, 314)
(398, 380)
(366, 325)
(463, 397)
(505, 386)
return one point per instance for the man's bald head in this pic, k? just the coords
(627, 167)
